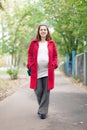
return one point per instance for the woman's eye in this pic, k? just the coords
(42, 29)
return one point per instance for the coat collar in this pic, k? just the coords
(37, 42)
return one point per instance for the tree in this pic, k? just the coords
(69, 20)
(18, 28)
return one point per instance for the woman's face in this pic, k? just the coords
(43, 31)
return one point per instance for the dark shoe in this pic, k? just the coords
(42, 116)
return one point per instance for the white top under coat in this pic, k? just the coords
(42, 59)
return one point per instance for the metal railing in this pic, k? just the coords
(80, 68)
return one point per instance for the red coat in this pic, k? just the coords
(32, 62)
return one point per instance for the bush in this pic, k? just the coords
(77, 79)
(13, 73)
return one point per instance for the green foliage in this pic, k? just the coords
(13, 73)
(0, 60)
(77, 79)
(69, 19)
(18, 29)
(1, 6)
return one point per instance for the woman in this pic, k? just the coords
(42, 60)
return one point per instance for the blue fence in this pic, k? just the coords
(70, 64)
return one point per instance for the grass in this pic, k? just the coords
(8, 86)
(77, 79)
(21, 71)
(3, 72)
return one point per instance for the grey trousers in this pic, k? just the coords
(42, 94)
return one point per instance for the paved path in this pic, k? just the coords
(67, 109)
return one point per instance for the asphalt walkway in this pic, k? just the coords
(67, 109)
